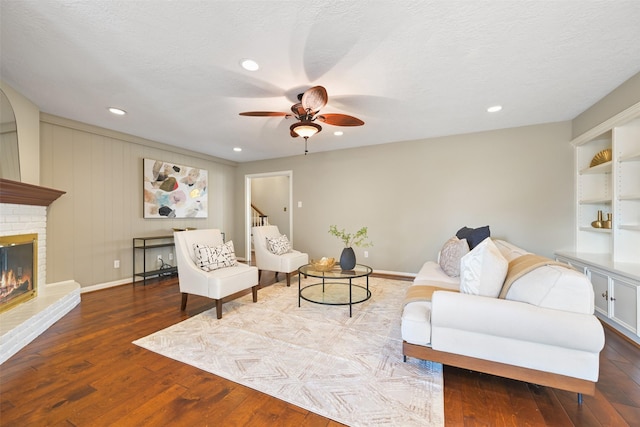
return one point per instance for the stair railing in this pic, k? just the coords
(258, 218)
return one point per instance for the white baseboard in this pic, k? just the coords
(99, 286)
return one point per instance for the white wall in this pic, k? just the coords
(415, 195)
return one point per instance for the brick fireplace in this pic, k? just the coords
(23, 211)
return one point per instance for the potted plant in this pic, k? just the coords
(359, 238)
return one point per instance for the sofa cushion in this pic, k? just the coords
(210, 258)
(556, 287)
(416, 323)
(509, 250)
(278, 245)
(431, 273)
(450, 255)
(483, 270)
(473, 235)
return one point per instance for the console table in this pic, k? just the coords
(145, 243)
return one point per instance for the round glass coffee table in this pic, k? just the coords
(336, 287)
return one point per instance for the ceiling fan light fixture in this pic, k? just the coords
(305, 129)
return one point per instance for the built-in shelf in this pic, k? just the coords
(596, 201)
(601, 168)
(596, 230)
(610, 257)
(633, 228)
(633, 157)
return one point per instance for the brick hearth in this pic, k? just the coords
(23, 210)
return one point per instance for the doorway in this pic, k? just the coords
(262, 182)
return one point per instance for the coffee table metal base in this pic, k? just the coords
(334, 293)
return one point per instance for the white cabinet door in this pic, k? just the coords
(624, 307)
(600, 284)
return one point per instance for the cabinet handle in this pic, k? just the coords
(605, 295)
(612, 299)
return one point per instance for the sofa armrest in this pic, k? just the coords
(515, 320)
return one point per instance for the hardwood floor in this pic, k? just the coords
(84, 371)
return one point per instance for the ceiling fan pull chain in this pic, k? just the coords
(305, 145)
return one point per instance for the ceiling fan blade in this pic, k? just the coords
(340, 120)
(264, 113)
(315, 98)
(298, 110)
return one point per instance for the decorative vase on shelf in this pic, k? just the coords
(347, 259)
(607, 223)
(599, 222)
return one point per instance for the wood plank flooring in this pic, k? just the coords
(84, 371)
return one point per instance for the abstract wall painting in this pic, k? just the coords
(174, 191)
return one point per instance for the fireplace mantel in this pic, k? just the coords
(20, 193)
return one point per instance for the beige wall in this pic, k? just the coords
(623, 97)
(415, 195)
(93, 223)
(271, 195)
(28, 126)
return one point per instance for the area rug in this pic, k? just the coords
(348, 369)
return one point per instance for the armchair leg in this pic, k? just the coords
(254, 291)
(259, 275)
(183, 307)
(219, 308)
(276, 276)
(288, 279)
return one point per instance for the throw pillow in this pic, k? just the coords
(278, 245)
(451, 254)
(483, 270)
(210, 258)
(473, 235)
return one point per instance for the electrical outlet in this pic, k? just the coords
(116, 263)
(170, 256)
(366, 254)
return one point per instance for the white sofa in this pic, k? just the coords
(543, 331)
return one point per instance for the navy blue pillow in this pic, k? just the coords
(473, 235)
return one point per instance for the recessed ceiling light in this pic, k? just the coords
(249, 65)
(237, 149)
(117, 111)
(494, 109)
(338, 133)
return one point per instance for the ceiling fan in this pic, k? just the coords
(307, 112)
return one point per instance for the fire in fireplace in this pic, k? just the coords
(18, 269)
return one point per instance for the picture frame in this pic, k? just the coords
(173, 191)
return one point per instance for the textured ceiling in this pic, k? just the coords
(409, 69)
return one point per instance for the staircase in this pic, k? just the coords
(258, 218)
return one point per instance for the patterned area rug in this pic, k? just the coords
(315, 356)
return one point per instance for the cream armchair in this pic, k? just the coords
(265, 260)
(222, 284)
